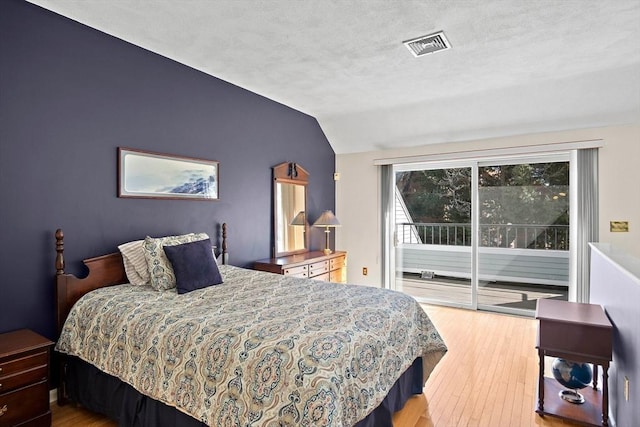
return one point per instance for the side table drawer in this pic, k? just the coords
(300, 271)
(30, 361)
(23, 404)
(20, 379)
(574, 338)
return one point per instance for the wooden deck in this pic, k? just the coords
(458, 291)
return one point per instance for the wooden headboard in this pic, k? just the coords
(105, 270)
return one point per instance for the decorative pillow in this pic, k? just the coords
(135, 264)
(160, 270)
(193, 265)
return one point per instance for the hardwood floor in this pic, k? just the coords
(72, 416)
(488, 377)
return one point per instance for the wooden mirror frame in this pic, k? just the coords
(289, 173)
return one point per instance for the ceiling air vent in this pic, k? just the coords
(428, 44)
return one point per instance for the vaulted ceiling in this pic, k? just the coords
(515, 67)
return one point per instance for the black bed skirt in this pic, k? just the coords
(105, 394)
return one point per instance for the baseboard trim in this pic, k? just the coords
(53, 395)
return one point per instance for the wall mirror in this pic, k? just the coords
(290, 209)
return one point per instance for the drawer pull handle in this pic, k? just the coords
(3, 410)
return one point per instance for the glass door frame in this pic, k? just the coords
(474, 164)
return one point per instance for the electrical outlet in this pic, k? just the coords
(365, 271)
(626, 389)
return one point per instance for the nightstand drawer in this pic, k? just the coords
(21, 405)
(317, 268)
(300, 271)
(15, 366)
(22, 378)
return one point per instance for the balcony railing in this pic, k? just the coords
(524, 236)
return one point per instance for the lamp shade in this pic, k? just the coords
(299, 219)
(327, 219)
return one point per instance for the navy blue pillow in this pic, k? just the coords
(193, 265)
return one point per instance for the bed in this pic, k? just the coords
(258, 349)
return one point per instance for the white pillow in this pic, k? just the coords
(135, 264)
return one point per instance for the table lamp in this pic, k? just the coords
(327, 220)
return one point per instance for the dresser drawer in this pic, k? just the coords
(300, 271)
(318, 268)
(337, 262)
(24, 404)
(326, 276)
(24, 363)
(338, 276)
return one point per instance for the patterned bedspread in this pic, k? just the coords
(259, 350)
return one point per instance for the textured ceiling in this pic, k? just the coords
(516, 66)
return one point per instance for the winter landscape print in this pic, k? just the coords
(154, 175)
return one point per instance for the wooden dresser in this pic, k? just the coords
(311, 265)
(24, 379)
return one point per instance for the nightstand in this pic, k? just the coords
(581, 333)
(24, 379)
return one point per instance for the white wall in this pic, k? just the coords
(357, 195)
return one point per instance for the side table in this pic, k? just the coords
(24, 379)
(581, 333)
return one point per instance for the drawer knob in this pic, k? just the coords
(3, 410)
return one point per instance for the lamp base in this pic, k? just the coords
(327, 251)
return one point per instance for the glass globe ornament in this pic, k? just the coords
(572, 375)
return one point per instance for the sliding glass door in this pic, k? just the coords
(523, 244)
(490, 234)
(433, 233)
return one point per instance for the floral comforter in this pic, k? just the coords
(258, 350)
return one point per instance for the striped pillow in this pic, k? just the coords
(135, 264)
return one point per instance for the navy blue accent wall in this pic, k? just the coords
(69, 96)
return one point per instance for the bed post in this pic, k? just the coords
(59, 358)
(225, 255)
(59, 252)
(60, 279)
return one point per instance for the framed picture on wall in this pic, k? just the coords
(145, 174)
